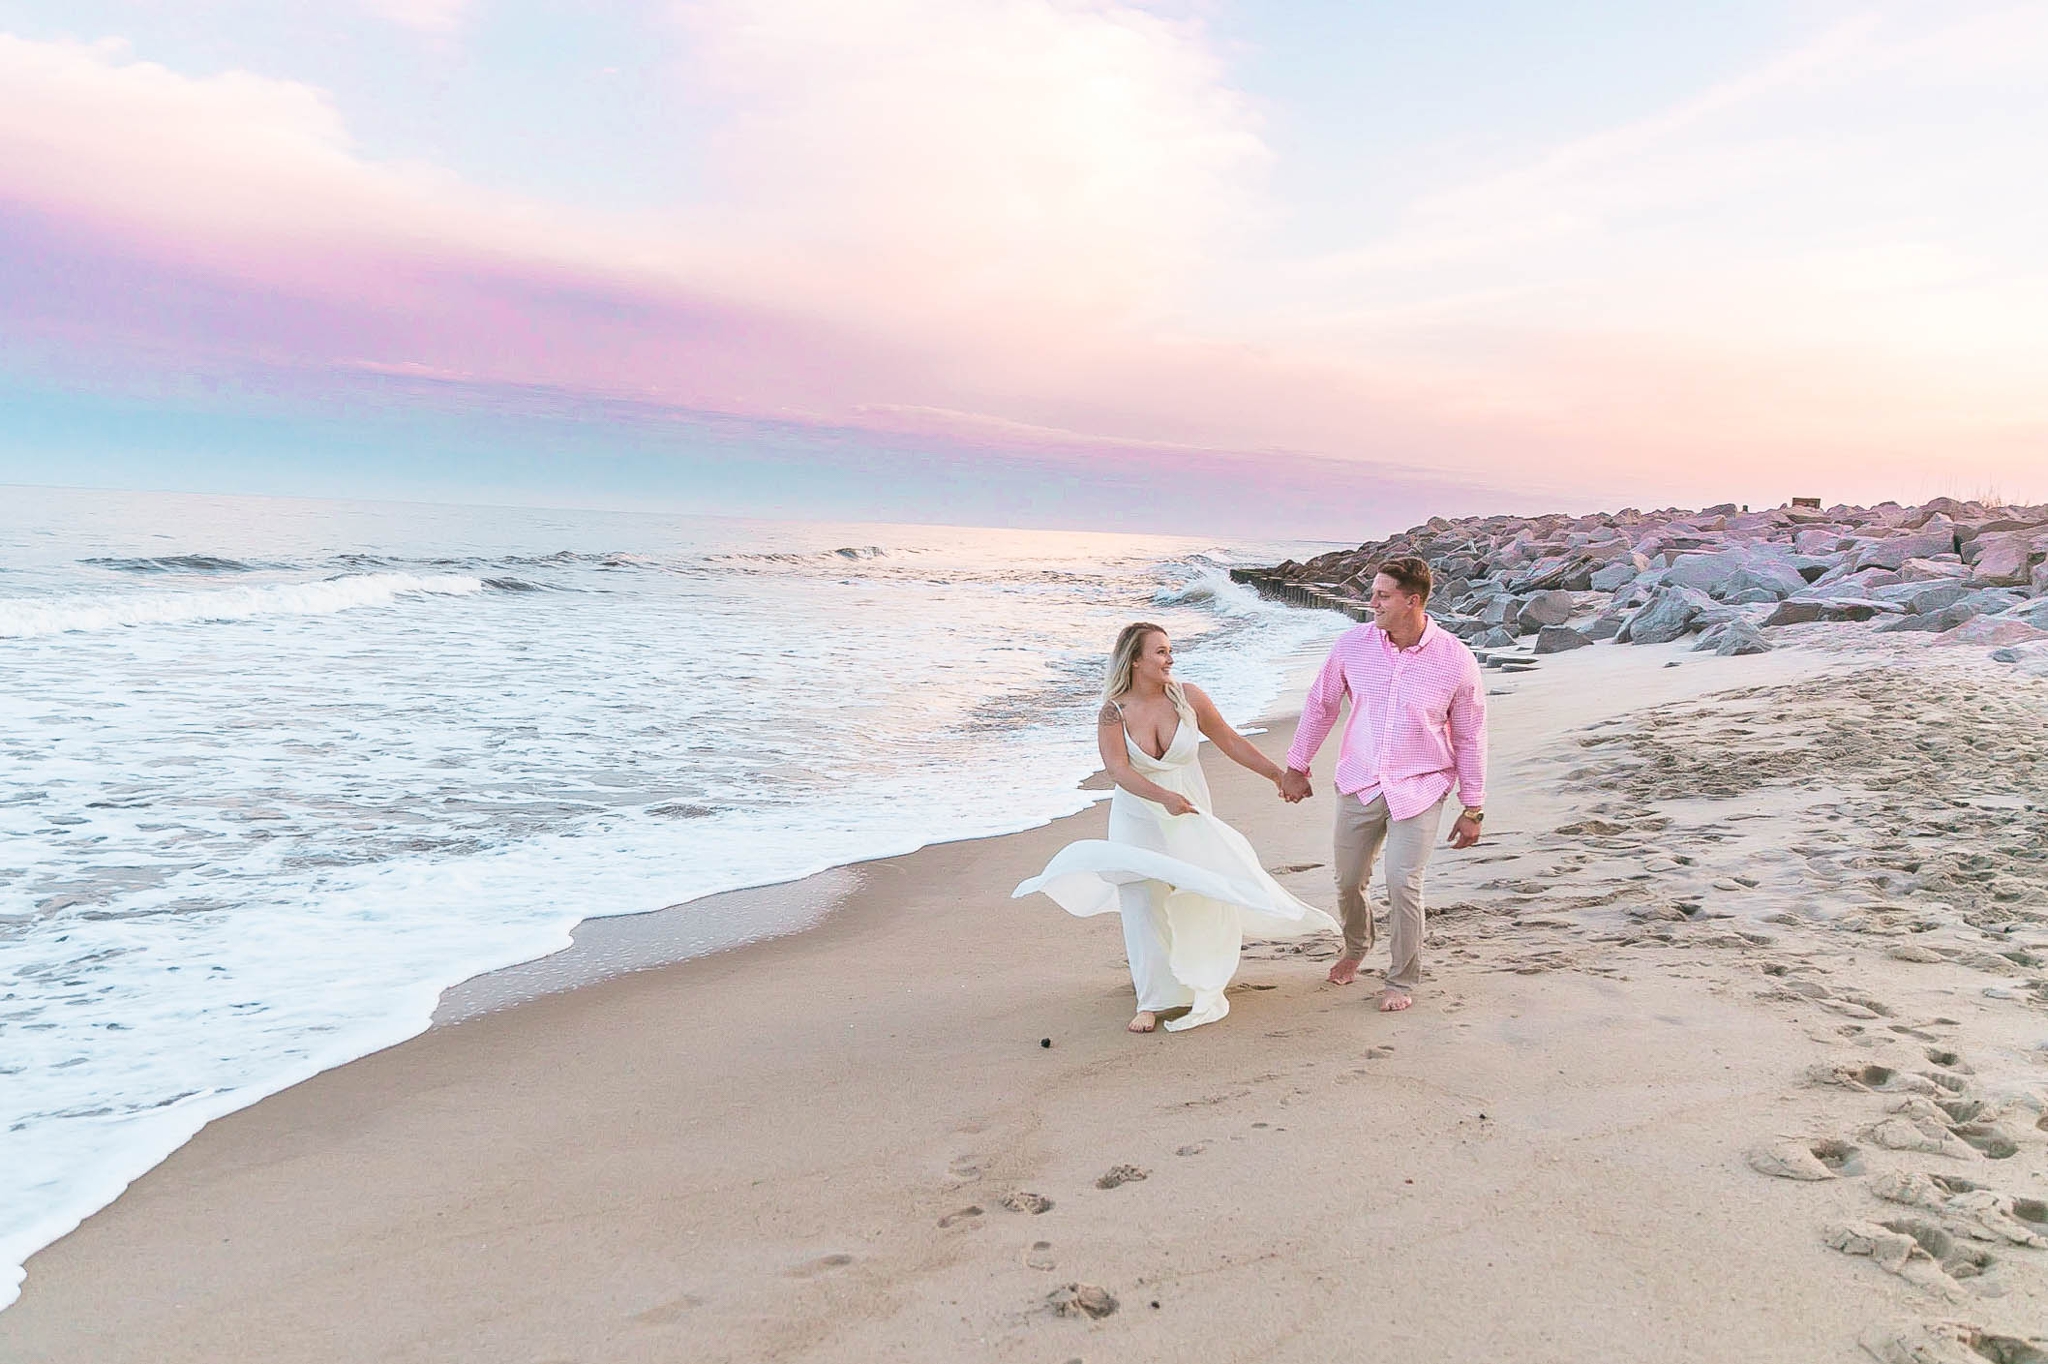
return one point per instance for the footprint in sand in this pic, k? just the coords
(1957, 1257)
(1874, 1079)
(1948, 1343)
(1964, 1205)
(1378, 1053)
(1023, 1200)
(824, 1264)
(965, 1168)
(1917, 1125)
(1039, 1256)
(1120, 1175)
(1892, 1250)
(969, 1215)
(1806, 1158)
(1993, 1141)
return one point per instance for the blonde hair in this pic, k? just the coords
(1130, 642)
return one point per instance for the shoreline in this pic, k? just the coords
(771, 1152)
(604, 947)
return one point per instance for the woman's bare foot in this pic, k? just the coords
(1144, 1022)
(1393, 1001)
(1344, 971)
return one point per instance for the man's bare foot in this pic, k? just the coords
(1393, 1001)
(1144, 1022)
(1344, 971)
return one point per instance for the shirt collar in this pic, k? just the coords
(1430, 630)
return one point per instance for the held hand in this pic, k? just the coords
(1465, 832)
(1177, 804)
(1294, 786)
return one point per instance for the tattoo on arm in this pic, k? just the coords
(1109, 714)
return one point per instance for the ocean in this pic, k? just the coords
(279, 772)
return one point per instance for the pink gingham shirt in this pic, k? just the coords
(1418, 719)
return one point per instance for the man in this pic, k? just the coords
(1417, 731)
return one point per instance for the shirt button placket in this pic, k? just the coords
(1387, 726)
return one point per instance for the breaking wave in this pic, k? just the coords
(27, 618)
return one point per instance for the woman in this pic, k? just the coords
(1187, 884)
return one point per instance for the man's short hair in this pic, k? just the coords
(1411, 575)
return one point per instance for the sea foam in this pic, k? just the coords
(28, 617)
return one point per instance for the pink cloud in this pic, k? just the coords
(987, 219)
(907, 235)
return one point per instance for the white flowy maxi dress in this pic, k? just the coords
(1189, 887)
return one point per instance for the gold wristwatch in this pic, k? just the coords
(1477, 815)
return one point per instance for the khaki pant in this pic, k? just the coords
(1362, 831)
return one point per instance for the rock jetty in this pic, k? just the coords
(1970, 572)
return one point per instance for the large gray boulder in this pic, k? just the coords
(1992, 600)
(1503, 611)
(1612, 577)
(1931, 570)
(2005, 560)
(1938, 537)
(1494, 638)
(1945, 618)
(1668, 614)
(1815, 540)
(1860, 584)
(1994, 630)
(1557, 639)
(1923, 598)
(1732, 637)
(1569, 572)
(1706, 572)
(1742, 638)
(1546, 608)
(1739, 572)
(1774, 579)
(2034, 613)
(1805, 610)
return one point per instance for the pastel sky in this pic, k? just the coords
(1257, 266)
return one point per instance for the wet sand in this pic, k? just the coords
(1734, 1046)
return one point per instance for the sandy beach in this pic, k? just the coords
(1734, 1046)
